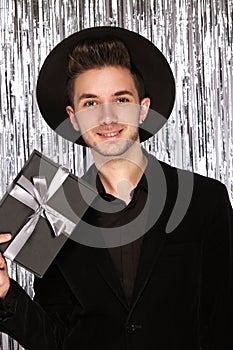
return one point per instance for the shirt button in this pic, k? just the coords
(131, 328)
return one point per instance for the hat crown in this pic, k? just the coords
(145, 57)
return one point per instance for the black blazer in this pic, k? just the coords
(182, 297)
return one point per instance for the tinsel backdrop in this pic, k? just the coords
(194, 35)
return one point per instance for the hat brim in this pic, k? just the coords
(145, 56)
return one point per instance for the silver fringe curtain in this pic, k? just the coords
(194, 35)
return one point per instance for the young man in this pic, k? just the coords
(130, 277)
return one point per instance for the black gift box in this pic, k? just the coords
(71, 199)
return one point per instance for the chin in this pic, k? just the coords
(113, 149)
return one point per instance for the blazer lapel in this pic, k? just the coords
(107, 270)
(161, 197)
(153, 242)
(71, 260)
(152, 246)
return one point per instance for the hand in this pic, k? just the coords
(4, 277)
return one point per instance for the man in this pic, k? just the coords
(149, 266)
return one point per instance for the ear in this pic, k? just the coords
(145, 104)
(73, 120)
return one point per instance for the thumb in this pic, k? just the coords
(2, 262)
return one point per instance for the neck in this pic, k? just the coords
(121, 174)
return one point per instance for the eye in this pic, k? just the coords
(123, 100)
(89, 103)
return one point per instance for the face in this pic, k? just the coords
(107, 109)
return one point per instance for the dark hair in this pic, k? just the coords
(96, 53)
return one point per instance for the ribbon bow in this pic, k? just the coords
(36, 195)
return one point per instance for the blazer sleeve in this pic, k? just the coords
(216, 315)
(41, 323)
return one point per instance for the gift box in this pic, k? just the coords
(40, 209)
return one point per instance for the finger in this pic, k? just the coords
(4, 237)
(2, 262)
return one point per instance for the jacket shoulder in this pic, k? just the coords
(201, 183)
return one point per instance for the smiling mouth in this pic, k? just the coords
(110, 134)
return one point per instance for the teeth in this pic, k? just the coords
(111, 134)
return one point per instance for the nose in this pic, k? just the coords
(107, 114)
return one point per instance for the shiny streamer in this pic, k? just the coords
(194, 35)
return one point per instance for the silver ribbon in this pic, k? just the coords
(36, 195)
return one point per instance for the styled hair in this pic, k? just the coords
(97, 53)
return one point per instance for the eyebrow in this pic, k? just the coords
(123, 92)
(84, 96)
(118, 93)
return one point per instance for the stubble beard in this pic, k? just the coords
(113, 148)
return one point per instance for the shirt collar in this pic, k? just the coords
(92, 177)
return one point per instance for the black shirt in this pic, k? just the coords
(125, 257)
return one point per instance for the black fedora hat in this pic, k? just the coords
(145, 56)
